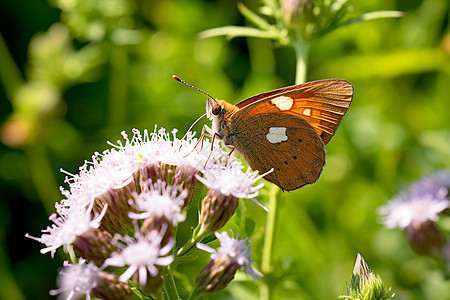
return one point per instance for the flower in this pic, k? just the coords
(66, 229)
(238, 250)
(227, 183)
(108, 171)
(74, 280)
(147, 179)
(161, 200)
(226, 176)
(77, 279)
(142, 254)
(422, 202)
(417, 209)
(233, 254)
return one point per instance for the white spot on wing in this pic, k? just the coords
(307, 111)
(282, 102)
(277, 135)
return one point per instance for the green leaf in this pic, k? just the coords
(376, 15)
(253, 17)
(239, 31)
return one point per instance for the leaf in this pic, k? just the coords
(253, 17)
(375, 15)
(239, 31)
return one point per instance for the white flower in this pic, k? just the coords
(77, 279)
(66, 229)
(110, 170)
(422, 202)
(236, 250)
(159, 146)
(141, 254)
(160, 201)
(226, 176)
(114, 168)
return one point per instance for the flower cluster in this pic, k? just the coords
(120, 212)
(417, 209)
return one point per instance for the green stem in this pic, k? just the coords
(187, 247)
(197, 235)
(170, 289)
(267, 254)
(301, 48)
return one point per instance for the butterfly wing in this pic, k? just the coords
(290, 145)
(322, 103)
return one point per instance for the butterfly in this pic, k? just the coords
(283, 131)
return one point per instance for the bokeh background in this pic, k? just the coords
(75, 73)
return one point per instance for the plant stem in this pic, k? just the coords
(301, 49)
(267, 267)
(187, 247)
(170, 289)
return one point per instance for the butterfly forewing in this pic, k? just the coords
(285, 143)
(322, 103)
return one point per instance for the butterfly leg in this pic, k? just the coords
(205, 133)
(232, 149)
(212, 145)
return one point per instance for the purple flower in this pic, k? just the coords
(421, 202)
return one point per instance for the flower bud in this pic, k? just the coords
(425, 238)
(216, 210)
(293, 10)
(185, 176)
(233, 254)
(365, 284)
(109, 287)
(94, 245)
(116, 219)
(217, 274)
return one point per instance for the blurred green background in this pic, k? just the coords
(75, 73)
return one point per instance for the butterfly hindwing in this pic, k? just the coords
(322, 103)
(285, 143)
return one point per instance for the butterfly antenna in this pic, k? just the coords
(193, 124)
(196, 88)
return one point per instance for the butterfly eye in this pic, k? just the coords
(216, 109)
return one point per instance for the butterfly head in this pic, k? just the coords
(213, 108)
(214, 112)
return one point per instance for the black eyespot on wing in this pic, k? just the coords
(216, 109)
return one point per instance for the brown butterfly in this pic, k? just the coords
(284, 130)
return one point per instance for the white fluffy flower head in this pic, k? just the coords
(77, 279)
(160, 200)
(142, 254)
(66, 229)
(237, 250)
(226, 176)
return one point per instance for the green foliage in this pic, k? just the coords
(105, 66)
